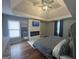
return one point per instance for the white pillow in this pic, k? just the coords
(56, 49)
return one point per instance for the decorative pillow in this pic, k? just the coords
(65, 49)
(71, 48)
(56, 49)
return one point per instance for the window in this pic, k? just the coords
(58, 28)
(14, 29)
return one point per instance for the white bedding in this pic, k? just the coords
(55, 51)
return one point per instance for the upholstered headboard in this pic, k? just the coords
(73, 35)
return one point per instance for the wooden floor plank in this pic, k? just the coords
(25, 51)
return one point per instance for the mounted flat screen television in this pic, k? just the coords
(35, 23)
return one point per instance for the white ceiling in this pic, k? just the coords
(25, 8)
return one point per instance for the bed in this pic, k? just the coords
(45, 45)
(52, 46)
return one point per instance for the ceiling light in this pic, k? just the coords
(44, 4)
(47, 4)
(45, 8)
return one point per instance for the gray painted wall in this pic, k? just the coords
(47, 28)
(5, 19)
(67, 24)
(6, 7)
(71, 4)
(43, 29)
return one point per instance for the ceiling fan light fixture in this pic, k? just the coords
(47, 4)
(45, 8)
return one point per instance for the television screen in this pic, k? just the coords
(35, 23)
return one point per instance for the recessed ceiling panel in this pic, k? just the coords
(56, 9)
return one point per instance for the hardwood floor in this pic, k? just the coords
(25, 51)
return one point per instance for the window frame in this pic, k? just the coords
(60, 28)
(19, 35)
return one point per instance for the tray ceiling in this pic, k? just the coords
(32, 8)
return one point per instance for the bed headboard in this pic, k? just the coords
(72, 34)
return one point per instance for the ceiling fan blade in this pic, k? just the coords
(48, 1)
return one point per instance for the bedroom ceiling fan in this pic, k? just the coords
(46, 4)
